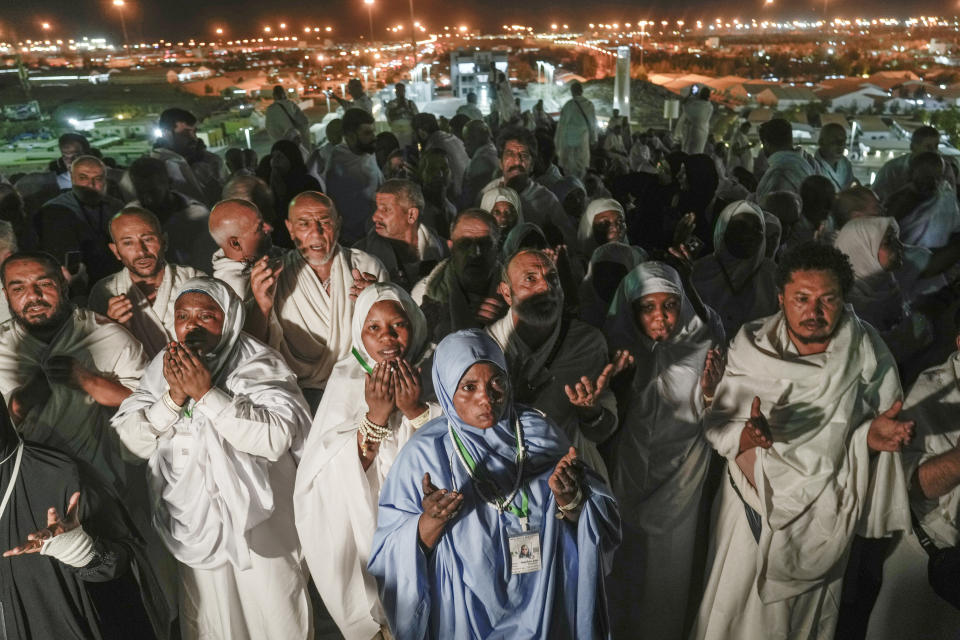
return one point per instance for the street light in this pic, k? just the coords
(120, 4)
(369, 4)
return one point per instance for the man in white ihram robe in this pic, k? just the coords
(222, 470)
(576, 133)
(779, 550)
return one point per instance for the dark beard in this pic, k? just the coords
(44, 327)
(540, 310)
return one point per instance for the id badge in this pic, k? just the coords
(525, 552)
(181, 449)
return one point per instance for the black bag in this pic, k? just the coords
(943, 569)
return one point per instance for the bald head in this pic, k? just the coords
(125, 215)
(239, 230)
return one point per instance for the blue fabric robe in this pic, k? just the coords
(463, 588)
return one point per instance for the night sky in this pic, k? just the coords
(172, 19)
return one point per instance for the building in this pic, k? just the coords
(471, 70)
(783, 97)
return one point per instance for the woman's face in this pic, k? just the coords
(481, 395)
(890, 255)
(505, 215)
(657, 315)
(386, 331)
(279, 162)
(608, 226)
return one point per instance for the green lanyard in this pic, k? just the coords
(501, 504)
(363, 363)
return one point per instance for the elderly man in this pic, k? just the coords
(140, 296)
(63, 369)
(194, 171)
(518, 148)
(576, 133)
(220, 419)
(38, 187)
(557, 365)
(183, 219)
(895, 174)
(926, 206)
(76, 224)
(787, 166)
(829, 157)
(352, 176)
(907, 606)
(408, 249)
(484, 162)
(821, 468)
(305, 303)
(244, 239)
(400, 113)
(462, 291)
(430, 136)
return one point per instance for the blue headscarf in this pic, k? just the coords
(465, 588)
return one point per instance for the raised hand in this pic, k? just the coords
(439, 507)
(564, 482)
(584, 394)
(360, 282)
(712, 372)
(886, 433)
(491, 309)
(55, 526)
(263, 283)
(193, 375)
(120, 309)
(378, 390)
(407, 390)
(756, 432)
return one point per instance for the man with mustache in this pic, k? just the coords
(807, 417)
(304, 303)
(518, 148)
(407, 248)
(352, 176)
(558, 365)
(244, 238)
(63, 369)
(461, 292)
(140, 296)
(78, 221)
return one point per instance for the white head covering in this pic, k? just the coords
(640, 158)
(585, 230)
(501, 194)
(233, 317)
(659, 454)
(737, 269)
(381, 292)
(876, 296)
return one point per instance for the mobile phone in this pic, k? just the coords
(72, 260)
(693, 244)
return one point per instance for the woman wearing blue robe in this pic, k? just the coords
(447, 560)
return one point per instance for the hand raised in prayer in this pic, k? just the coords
(360, 282)
(171, 366)
(712, 372)
(491, 309)
(439, 507)
(120, 309)
(55, 526)
(684, 228)
(191, 372)
(263, 283)
(407, 389)
(378, 390)
(586, 393)
(886, 433)
(756, 432)
(565, 480)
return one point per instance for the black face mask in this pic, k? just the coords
(542, 309)
(743, 238)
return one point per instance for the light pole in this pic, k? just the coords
(119, 4)
(413, 34)
(369, 4)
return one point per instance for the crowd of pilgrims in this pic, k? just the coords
(496, 377)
